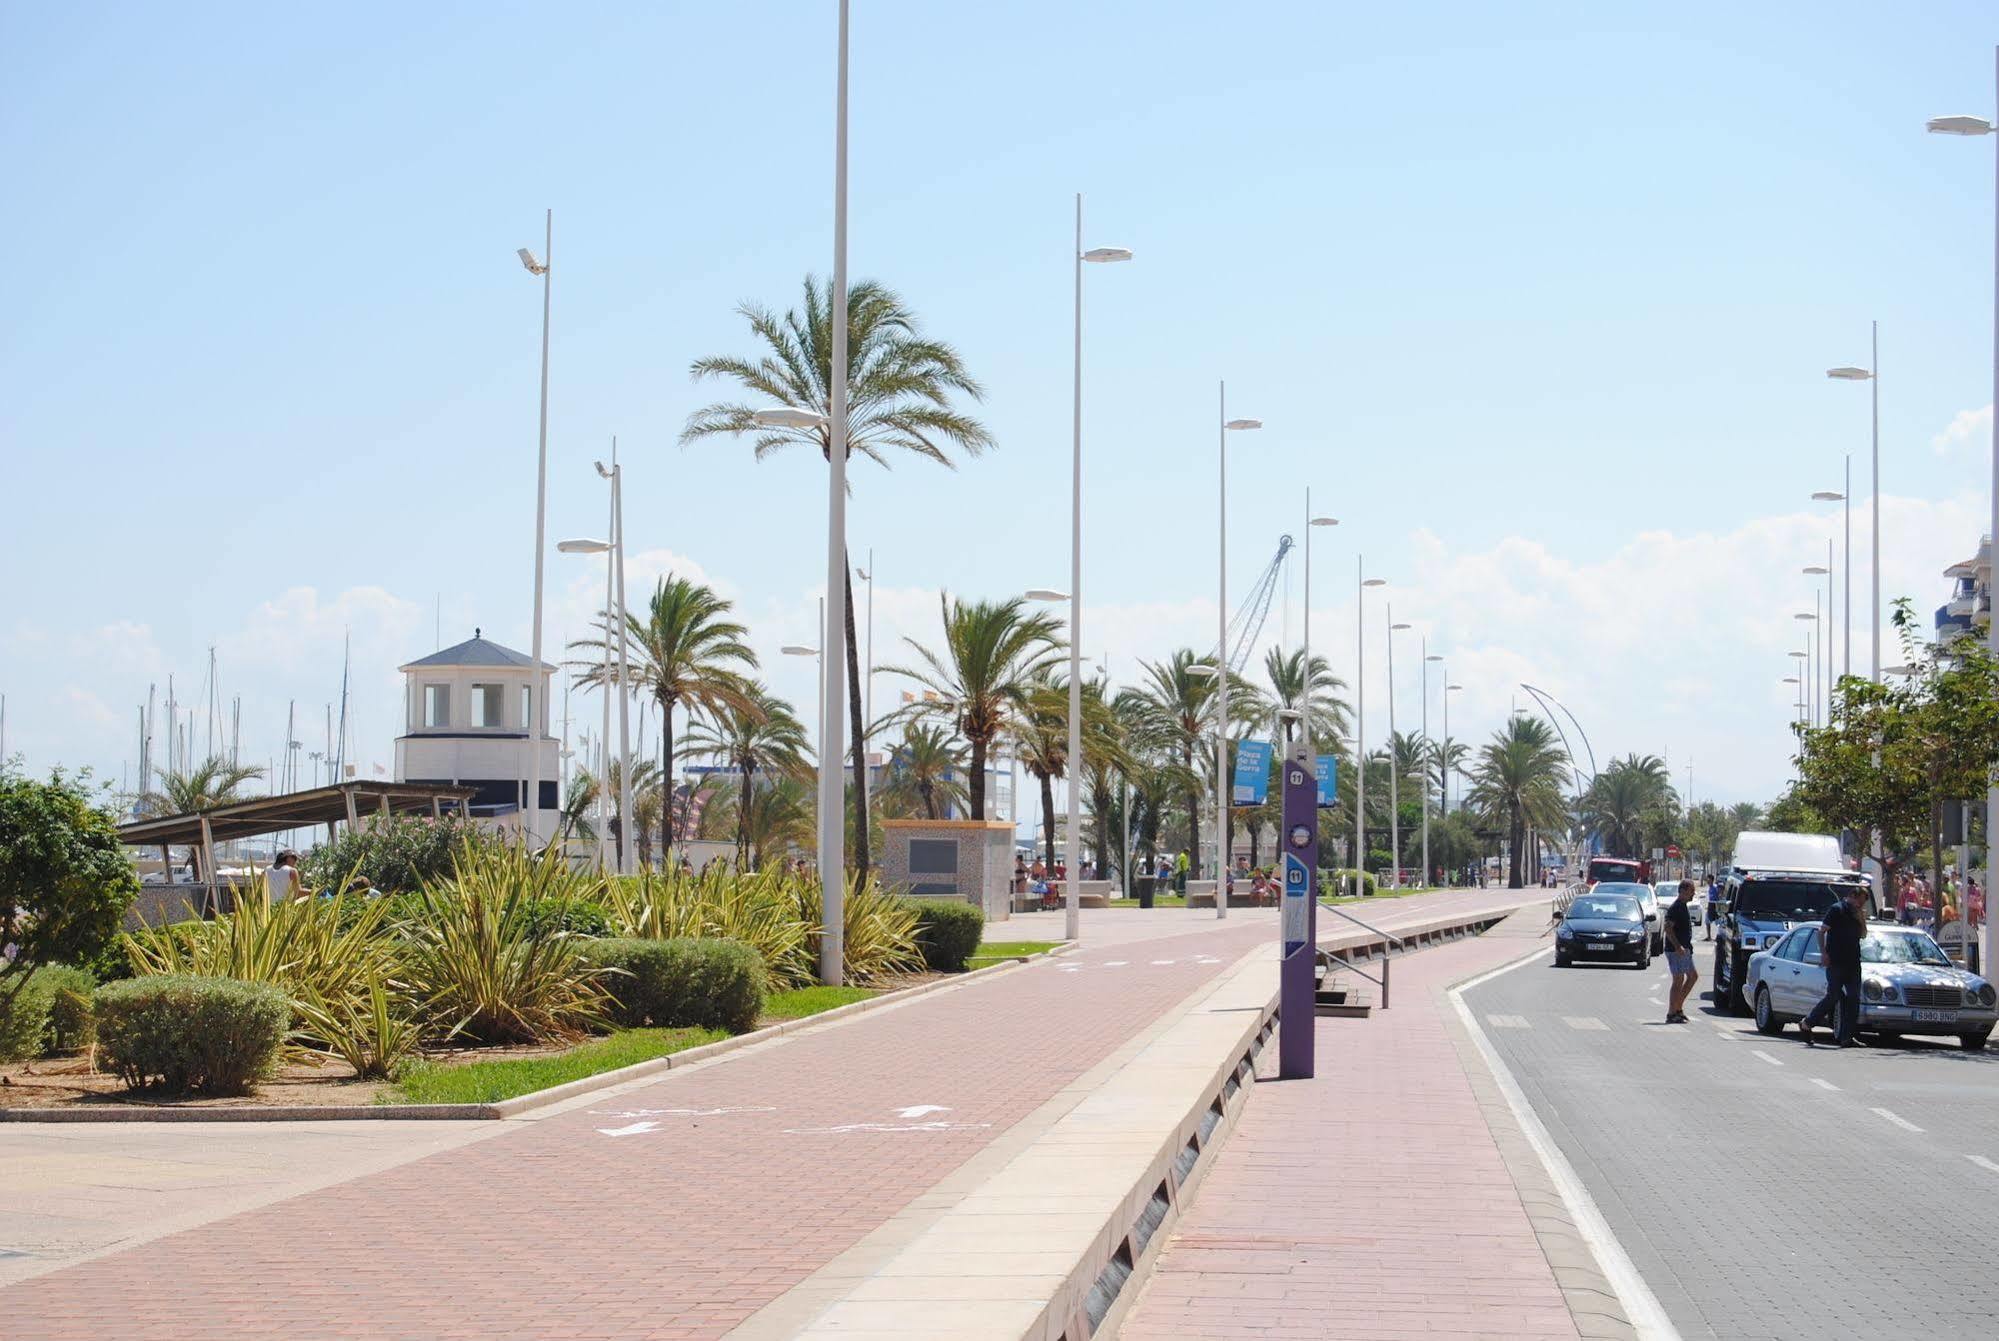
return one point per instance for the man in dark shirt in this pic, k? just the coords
(1679, 933)
(1845, 926)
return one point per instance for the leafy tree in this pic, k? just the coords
(1518, 783)
(901, 389)
(757, 733)
(1631, 801)
(1286, 673)
(202, 786)
(1039, 729)
(65, 879)
(685, 651)
(925, 774)
(394, 853)
(993, 652)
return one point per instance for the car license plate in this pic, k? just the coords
(1599, 949)
(1936, 1017)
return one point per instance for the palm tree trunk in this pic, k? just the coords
(743, 819)
(929, 794)
(977, 789)
(1193, 812)
(666, 820)
(1048, 818)
(860, 847)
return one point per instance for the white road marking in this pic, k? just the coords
(1165, 961)
(886, 1126)
(1116, 963)
(920, 1110)
(637, 1128)
(1761, 1055)
(1508, 1021)
(1899, 1121)
(1584, 1022)
(677, 1112)
(1983, 1163)
(1654, 999)
(1824, 1084)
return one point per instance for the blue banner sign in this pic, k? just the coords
(1252, 772)
(1329, 788)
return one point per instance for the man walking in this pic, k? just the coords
(1680, 953)
(1845, 926)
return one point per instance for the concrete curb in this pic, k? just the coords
(523, 1103)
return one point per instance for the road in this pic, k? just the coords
(1760, 1187)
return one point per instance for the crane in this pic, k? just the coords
(1249, 618)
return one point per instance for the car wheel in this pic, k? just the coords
(1737, 1004)
(1767, 1021)
(1644, 959)
(1717, 991)
(1659, 944)
(1974, 1042)
(1561, 960)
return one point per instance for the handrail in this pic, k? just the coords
(1341, 912)
(1334, 957)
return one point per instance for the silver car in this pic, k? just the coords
(1668, 892)
(1907, 986)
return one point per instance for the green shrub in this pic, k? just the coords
(947, 932)
(179, 1033)
(1342, 883)
(24, 1021)
(673, 984)
(65, 878)
(395, 854)
(578, 917)
(71, 1026)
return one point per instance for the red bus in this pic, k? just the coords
(1626, 869)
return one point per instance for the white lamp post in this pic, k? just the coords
(1846, 579)
(1872, 376)
(1428, 657)
(539, 267)
(1226, 426)
(604, 684)
(1311, 746)
(1449, 689)
(1806, 667)
(867, 575)
(800, 650)
(1394, 764)
(626, 819)
(1072, 903)
(1978, 125)
(1824, 626)
(1799, 680)
(1363, 582)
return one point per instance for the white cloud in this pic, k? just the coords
(1969, 427)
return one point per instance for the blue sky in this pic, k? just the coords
(1537, 299)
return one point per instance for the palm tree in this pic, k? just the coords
(1286, 673)
(685, 651)
(1040, 733)
(585, 790)
(993, 650)
(202, 786)
(1626, 799)
(1174, 706)
(925, 773)
(1518, 782)
(759, 732)
(1446, 760)
(900, 391)
(776, 816)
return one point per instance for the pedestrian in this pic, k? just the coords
(1679, 932)
(1019, 874)
(281, 880)
(1180, 865)
(1840, 934)
(1039, 872)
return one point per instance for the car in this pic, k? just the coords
(1647, 901)
(1907, 986)
(1603, 928)
(1758, 903)
(1669, 890)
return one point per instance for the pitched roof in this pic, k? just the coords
(476, 651)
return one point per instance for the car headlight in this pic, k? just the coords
(1888, 992)
(1636, 934)
(1564, 932)
(1871, 990)
(1986, 996)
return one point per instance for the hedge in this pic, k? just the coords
(1342, 882)
(674, 984)
(947, 932)
(72, 1026)
(25, 1020)
(178, 1033)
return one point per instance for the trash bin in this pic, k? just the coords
(1142, 887)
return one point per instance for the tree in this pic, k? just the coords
(65, 881)
(684, 651)
(780, 816)
(1039, 729)
(394, 853)
(1895, 754)
(1629, 802)
(1286, 673)
(901, 388)
(925, 773)
(993, 652)
(204, 786)
(757, 733)
(1174, 710)
(1445, 760)
(1518, 782)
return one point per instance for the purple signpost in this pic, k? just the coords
(1300, 921)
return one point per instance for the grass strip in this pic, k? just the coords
(490, 1082)
(993, 952)
(803, 1001)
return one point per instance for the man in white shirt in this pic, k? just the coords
(282, 879)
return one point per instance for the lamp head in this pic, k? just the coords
(1395, 628)
(1452, 688)
(583, 546)
(798, 650)
(528, 261)
(1045, 594)
(1849, 374)
(1958, 125)
(1434, 656)
(1103, 255)
(1202, 671)
(1806, 615)
(1828, 496)
(1243, 423)
(785, 416)
(1817, 569)
(1375, 582)
(1325, 521)
(603, 471)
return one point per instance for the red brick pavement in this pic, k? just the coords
(677, 1232)
(1370, 1201)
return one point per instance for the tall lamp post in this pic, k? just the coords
(1806, 667)
(1449, 689)
(1072, 919)
(539, 267)
(626, 819)
(1825, 629)
(611, 614)
(1872, 376)
(1394, 764)
(1306, 693)
(1428, 657)
(1362, 582)
(1978, 125)
(1225, 426)
(1846, 579)
(801, 650)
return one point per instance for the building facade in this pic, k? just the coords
(471, 714)
(1969, 609)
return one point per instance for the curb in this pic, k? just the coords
(522, 1103)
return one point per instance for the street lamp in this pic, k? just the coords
(603, 797)
(539, 268)
(1846, 579)
(1428, 657)
(832, 622)
(1227, 426)
(1799, 679)
(1360, 715)
(1072, 901)
(1824, 683)
(1306, 692)
(1871, 376)
(801, 650)
(1813, 647)
(1449, 689)
(867, 575)
(1394, 764)
(1978, 125)
(626, 818)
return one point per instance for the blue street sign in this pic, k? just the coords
(1252, 772)
(1298, 922)
(1329, 783)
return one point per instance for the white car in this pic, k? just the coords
(1669, 890)
(1648, 902)
(1907, 986)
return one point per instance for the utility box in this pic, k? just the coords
(970, 861)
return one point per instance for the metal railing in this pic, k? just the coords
(1332, 957)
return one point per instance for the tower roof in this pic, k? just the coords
(476, 651)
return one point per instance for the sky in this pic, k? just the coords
(1536, 299)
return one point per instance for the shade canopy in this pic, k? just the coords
(297, 810)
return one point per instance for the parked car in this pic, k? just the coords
(1603, 928)
(1648, 902)
(1779, 881)
(1907, 986)
(1669, 890)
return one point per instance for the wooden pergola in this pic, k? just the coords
(346, 802)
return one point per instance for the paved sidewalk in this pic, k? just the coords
(1371, 1201)
(674, 1208)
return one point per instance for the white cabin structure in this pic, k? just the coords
(471, 714)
